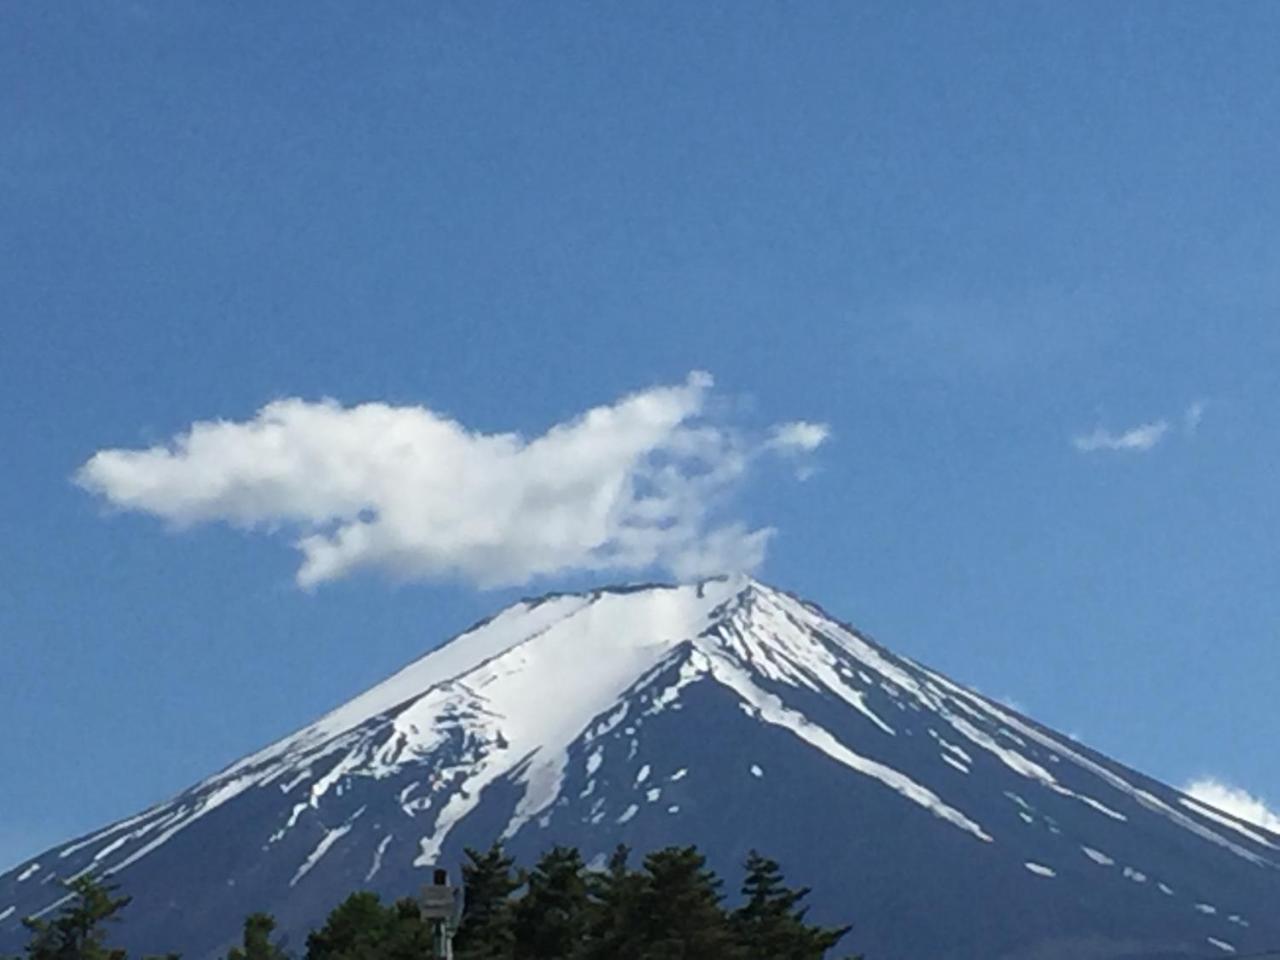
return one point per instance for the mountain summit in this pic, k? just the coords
(726, 714)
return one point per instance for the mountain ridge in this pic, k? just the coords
(567, 717)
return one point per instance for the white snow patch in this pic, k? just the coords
(112, 847)
(946, 744)
(1221, 944)
(214, 798)
(756, 771)
(1137, 876)
(1039, 869)
(1165, 889)
(115, 828)
(403, 795)
(294, 814)
(594, 761)
(1098, 857)
(679, 775)
(609, 723)
(52, 907)
(620, 630)
(1023, 766)
(7, 912)
(328, 840)
(674, 808)
(331, 779)
(377, 858)
(1114, 780)
(654, 795)
(771, 710)
(627, 814)
(513, 627)
(290, 784)
(416, 806)
(1206, 908)
(28, 873)
(643, 775)
(953, 762)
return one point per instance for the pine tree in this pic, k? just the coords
(680, 909)
(256, 943)
(408, 938)
(770, 924)
(614, 931)
(550, 921)
(77, 933)
(486, 933)
(361, 928)
(353, 929)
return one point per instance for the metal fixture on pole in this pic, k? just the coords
(441, 909)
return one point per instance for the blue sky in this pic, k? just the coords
(983, 247)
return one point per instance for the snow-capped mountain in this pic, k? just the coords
(726, 714)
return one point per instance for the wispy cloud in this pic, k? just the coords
(1143, 437)
(1193, 416)
(1235, 801)
(409, 492)
(1135, 439)
(798, 436)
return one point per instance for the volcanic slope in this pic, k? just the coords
(727, 714)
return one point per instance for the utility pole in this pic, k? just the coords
(441, 910)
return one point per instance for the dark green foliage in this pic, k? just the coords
(669, 910)
(361, 928)
(613, 916)
(354, 926)
(770, 924)
(486, 932)
(679, 908)
(77, 931)
(550, 920)
(256, 942)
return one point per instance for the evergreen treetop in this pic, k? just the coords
(77, 931)
(669, 909)
(362, 928)
(489, 879)
(256, 941)
(770, 924)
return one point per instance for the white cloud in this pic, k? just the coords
(411, 493)
(799, 435)
(1239, 803)
(1137, 439)
(1194, 416)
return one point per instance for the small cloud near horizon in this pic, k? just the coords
(1139, 439)
(1142, 438)
(1235, 801)
(410, 493)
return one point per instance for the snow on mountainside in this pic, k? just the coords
(725, 713)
